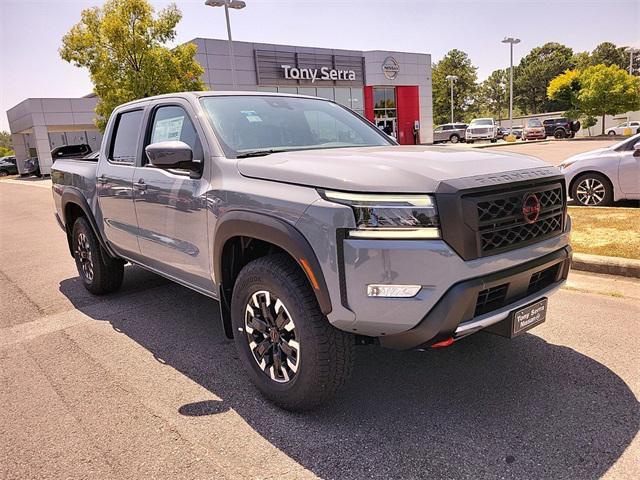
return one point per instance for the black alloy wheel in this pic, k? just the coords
(272, 336)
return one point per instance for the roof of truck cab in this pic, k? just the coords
(217, 93)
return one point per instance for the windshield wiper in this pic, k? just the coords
(258, 153)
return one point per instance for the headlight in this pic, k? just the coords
(390, 216)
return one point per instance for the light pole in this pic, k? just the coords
(227, 4)
(452, 79)
(631, 51)
(511, 41)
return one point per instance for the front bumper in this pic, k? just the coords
(480, 136)
(455, 314)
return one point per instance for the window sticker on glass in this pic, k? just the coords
(167, 129)
(251, 116)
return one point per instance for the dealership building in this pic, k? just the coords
(391, 89)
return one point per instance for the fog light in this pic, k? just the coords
(394, 291)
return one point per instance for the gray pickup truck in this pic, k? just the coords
(315, 231)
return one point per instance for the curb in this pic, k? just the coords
(625, 267)
(510, 144)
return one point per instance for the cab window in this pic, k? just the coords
(172, 122)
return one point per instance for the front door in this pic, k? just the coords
(629, 171)
(114, 184)
(171, 206)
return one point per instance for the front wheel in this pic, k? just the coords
(559, 134)
(291, 352)
(100, 274)
(592, 190)
(494, 140)
(3, 173)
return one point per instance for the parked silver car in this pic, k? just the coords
(602, 176)
(450, 132)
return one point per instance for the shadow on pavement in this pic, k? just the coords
(487, 407)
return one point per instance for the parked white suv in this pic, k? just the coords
(605, 175)
(619, 130)
(482, 129)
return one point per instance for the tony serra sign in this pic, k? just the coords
(313, 74)
(288, 67)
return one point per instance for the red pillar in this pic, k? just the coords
(408, 108)
(368, 103)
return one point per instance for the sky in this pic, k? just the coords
(31, 31)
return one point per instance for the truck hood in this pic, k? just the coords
(411, 169)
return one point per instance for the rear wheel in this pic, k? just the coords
(560, 133)
(592, 190)
(454, 138)
(100, 274)
(291, 352)
(3, 173)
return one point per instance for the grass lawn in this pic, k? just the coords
(614, 232)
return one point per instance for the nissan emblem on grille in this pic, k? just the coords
(530, 208)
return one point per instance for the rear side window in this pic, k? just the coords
(125, 138)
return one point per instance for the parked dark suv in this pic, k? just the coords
(8, 166)
(561, 127)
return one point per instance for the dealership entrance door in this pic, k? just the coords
(388, 126)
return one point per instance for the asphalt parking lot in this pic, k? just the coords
(143, 384)
(551, 151)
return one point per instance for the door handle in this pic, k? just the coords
(140, 185)
(102, 179)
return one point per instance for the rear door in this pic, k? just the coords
(114, 182)
(171, 205)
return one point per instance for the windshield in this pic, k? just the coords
(626, 144)
(482, 121)
(534, 122)
(248, 124)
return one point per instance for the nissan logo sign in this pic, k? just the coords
(530, 208)
(390, 68)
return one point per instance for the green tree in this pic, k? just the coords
(122, 44)
(6, 147)
(533, 74)
(597, 91)
(493, 94)
(608, 54)
(457, 63)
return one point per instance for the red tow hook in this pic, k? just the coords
(443, 343)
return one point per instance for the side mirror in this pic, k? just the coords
(171, 154)
(636, 149)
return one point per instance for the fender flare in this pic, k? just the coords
(270, 229)
(74, 196)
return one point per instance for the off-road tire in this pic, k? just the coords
(559, 134)
(107, 272)
(326, 353)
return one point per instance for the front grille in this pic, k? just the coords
(519, 234)
(541, 280)
(491, 299)
(479, 131)
(500, 296)
(500, 224)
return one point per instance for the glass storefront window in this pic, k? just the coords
(343, 96)
(268, 89)
(325, 92)
(357, 99)
(293, 90)
(311, 91)
(384, 102)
